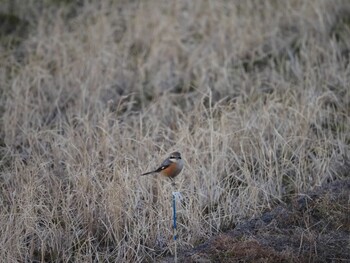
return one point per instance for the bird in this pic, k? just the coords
(170, 167)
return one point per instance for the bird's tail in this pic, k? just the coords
(149, 173)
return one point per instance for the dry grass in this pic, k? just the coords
(255, 94)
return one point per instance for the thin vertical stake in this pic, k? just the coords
(174, 226)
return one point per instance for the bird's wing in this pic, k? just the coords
(164, 165)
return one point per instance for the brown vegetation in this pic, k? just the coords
(254, 94)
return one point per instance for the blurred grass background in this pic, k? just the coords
(254, 94)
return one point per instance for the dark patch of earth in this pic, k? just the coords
(314, 227)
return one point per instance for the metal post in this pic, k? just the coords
(174, 225)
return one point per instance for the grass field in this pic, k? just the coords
(254, 94)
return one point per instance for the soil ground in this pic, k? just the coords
(314, 227)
